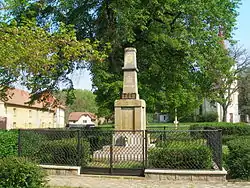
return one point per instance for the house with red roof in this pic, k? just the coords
(81, 118)
(16, 113)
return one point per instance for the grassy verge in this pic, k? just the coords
(121, 164)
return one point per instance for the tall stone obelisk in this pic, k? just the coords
(130, 110)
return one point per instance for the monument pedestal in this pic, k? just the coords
(130, 118)
(130, 114)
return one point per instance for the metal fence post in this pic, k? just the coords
(146, 149)
(220, 149)
(143, 148)
(79, 147)
(111, 156)
(19, 143)
(165, 136)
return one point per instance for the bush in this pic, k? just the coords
(31, 142)
(227, 128)
(181, 155)
(187, 118)
(150, 118)
(238, 160)
(97, 138)
(9, 143)
(20, 173)
(225, 154)
(64, 152)
(209, 117)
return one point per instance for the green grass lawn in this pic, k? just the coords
(153, 125)
(120, 164)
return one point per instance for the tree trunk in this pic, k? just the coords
(224, 109)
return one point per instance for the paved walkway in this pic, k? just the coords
(84, 181)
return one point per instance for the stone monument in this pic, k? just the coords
(130, 110)
(130, 118)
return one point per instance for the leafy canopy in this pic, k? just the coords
(177, 41)
(41, 60)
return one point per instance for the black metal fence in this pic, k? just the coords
(184, 149)
(123, 152)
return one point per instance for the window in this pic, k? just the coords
(30, 113)
(30, 125)
(14, 125)
(14, 112)
(84, 121)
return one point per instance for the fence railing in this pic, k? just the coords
(110, 150)
(184, 149)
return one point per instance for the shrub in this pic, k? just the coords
(225, 154)
(31, 142)
(238, 160)
(181, 155)
(227, 128)
(187, 118)
(97, 138)
(64, 152)
(209, 117)
(18, 172)
(8, 140)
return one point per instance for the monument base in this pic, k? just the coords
(130, 114)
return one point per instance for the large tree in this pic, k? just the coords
(41, 59)
(174, 39)
(225, 83)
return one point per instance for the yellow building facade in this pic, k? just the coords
(21, 115)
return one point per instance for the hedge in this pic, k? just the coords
(181, 155)
(229, 130)
(64, 152)
(97, 138)
(20, 173)
(9, 143)
(238, 160)
(31, 142)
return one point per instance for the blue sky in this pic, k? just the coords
(242, 34)
(82, 80)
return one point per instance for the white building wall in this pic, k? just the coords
(83, 120)
(163, 118)
(60, 118)
(233, 111)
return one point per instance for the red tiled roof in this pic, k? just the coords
(21, 97)
(75, 116)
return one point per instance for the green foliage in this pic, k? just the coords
(31, 143)
(209, 117)
(238, 160)
(64, 152)
(84, 101)
(98, 137)
(181, 155)
(18, 172)
(40, 59)
(168, 40)
(187, 118)
(150, 118)
(237, 129)
(226, 82)
(180, 55)
(8, 140)
(225, 154)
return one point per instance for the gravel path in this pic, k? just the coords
(84, 181)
